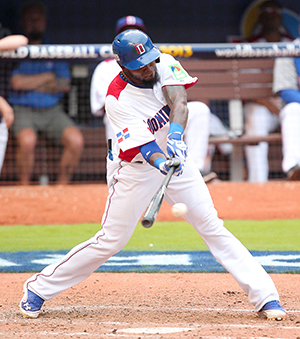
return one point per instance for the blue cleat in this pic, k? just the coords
(31, 304)
(272, 310)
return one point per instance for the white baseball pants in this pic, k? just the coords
(290, 130)
(131, 187)
(258, 121)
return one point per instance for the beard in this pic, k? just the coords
(35, 36)
(150, 83)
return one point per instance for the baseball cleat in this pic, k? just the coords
(294, 173)
(210, 177)
(272, 311)
(31, 304)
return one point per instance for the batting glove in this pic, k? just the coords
(176, 147)
(164, 166)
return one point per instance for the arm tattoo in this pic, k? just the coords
(177, 100)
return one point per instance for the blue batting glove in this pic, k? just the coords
(176, 147)
(164, 166)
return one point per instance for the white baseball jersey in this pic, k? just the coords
(285, 75)
(134, 126)
(200, 122)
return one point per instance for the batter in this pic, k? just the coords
(147, 108)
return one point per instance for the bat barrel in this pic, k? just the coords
(147, 222)
(154, 206)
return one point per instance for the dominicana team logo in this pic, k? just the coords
(178, 72)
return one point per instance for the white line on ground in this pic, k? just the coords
(164, 308)
(132, 331)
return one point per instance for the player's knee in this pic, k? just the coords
(256, 119)
(73, 139)
(291, 109)
(27, 139)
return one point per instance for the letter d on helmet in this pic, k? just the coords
(133, 49)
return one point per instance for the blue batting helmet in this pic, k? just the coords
(133, 49)
(130, 21)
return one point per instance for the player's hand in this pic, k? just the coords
(165, 166)
(176, 148)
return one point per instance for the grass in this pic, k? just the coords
(280, 235)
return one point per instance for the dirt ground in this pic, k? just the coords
(38, 205)
(142, 305)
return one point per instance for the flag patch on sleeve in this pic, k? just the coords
(123, 135)
(178, 72)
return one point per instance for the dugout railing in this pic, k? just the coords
(236, 77)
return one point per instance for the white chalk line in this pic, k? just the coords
(163, 308)
(128, 332)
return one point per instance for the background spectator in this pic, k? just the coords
(286, 84)
(261, 116)
(38, 88)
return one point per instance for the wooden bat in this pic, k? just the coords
(155, 203)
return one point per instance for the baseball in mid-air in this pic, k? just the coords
(179, 210)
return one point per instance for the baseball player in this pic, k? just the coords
(201, 122)
(147, 108)
(286, 84)
(6, 111)
(262, 117)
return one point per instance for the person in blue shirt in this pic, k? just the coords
(37, 90)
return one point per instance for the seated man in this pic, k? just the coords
(262, 117)
(37, 89)
(286, 84)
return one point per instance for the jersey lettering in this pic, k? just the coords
(159, 120)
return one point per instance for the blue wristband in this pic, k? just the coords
(148, 149)
(175, 131)
(158, 161)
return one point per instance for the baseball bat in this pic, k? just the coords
(155, 203)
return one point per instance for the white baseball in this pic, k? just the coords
(179, 210)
